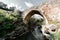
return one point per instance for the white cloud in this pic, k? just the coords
(11, 5)
(28, 4)
(37, 16)
(14, 5)
(20, 8)
(0, 0)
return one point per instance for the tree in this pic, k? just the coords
(12, 8)
(3, 5)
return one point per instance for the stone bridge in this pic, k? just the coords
(50, 14)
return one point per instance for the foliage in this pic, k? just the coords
(8, 21)
(3, 4)
(11, 20)
(57, 36)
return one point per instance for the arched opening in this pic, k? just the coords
(34, 26)
(30, 14)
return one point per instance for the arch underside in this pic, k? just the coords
(30, 14)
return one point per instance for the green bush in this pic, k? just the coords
(7, 21)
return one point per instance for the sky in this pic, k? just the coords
(23, 4)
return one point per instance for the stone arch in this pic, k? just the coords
(31, 13)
